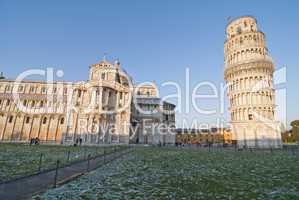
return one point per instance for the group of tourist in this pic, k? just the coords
(78, 142)
(34, 141)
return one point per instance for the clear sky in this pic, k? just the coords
(154, 39)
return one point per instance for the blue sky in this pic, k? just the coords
(154, 40)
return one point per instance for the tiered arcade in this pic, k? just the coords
(249, 75)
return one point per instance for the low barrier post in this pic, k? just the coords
(88, 162)
(40, 162)
(56, 173)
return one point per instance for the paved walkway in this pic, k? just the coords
(25, 188)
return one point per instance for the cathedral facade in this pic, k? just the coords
(249, 75)
(96, 111)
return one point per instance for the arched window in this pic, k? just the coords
(43, 89)
(7, 88)
(239, 30)
(62, 120)
(20, 88)
(250, 117)
(10, 119)
(27, 120)
(241, 40)
(103, 76)
(31, 89)
(45, 120)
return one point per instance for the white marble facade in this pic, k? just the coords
(249, 75)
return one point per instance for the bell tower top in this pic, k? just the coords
(241, 25)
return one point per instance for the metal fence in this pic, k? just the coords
(45, 159)
(62, 172)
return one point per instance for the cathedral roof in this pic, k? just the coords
(103, 64)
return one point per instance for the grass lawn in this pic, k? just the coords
(19, 159)
(161, 173)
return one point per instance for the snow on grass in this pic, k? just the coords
(18, 159)
(156, 173)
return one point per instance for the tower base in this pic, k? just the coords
(257, 134)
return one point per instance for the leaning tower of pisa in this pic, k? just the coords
(249, 72)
